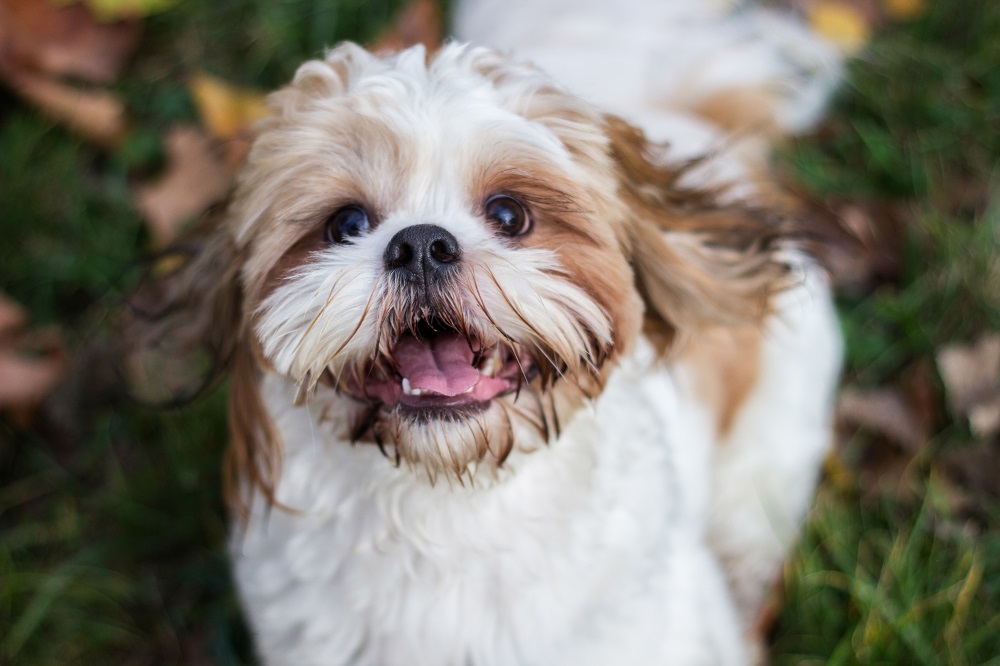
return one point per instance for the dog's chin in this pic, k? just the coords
(453, 442)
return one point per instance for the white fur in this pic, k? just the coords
(652, 61)
(590, 551)
(607, 545)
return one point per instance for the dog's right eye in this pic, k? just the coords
(346, 223)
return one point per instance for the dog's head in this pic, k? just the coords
(448, 257)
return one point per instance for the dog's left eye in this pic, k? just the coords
(508, 215)
(346, 223)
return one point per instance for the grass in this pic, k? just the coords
(111, 528)
(906, 573)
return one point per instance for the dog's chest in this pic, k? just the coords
(571, 552)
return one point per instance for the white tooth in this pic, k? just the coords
(491, 365)
(469, 390)
(406, 386)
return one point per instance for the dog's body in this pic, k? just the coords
(593, 550)
(628, 504)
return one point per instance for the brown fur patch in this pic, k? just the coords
(292, 258)
(726, 363)
(564, 222)
(698, 263)
(199, 305)
(740, 111)
(254, 453)
(187, 306)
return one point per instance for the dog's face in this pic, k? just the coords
(436, 244)
(449, 257)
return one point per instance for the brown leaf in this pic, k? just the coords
(196, 177)
(26, 380)
(885, 412)
(64, 39)
(12, 316)
(97, 115)
(892, 440)
(973, 470)
(971, 376)
(31, 363)
(419, 23)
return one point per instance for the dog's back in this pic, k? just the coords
(678, 69)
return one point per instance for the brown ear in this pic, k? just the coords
(180, 323)
(698, 262)
(183, 330)
(254, 454)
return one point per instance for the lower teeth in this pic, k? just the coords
(411, 391)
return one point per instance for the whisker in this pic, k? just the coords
(513, 345)
(523, 319)
(537, 420)
(508, 446)
(350, 337)
(330, 298)
(555, 415)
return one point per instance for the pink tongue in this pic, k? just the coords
(442, 365)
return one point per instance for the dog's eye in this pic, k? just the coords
(508, 215)
(346, 223)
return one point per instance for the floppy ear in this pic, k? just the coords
(698, 262)
(183, 329)
(179, 325)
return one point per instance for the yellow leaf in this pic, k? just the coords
(841, 24)
(226, 110)
(108, 11)
(195, 178)
(905, 9)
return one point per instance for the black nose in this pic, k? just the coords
(422, 253)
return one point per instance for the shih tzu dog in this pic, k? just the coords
(521, 375)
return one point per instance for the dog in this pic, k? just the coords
(528, 364)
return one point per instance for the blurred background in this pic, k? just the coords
(121, 121)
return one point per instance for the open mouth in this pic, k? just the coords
(438, 367)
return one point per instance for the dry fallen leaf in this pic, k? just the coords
(195, 178)
(226, 110)
(97, 115)
(904, 10)
(884, 459)
(64, 40)
(12, 315)
(973, 471)
(971, 376)
(885, 412)
(40, 41)
(841, 23)
(419, 23)
(31, 362)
